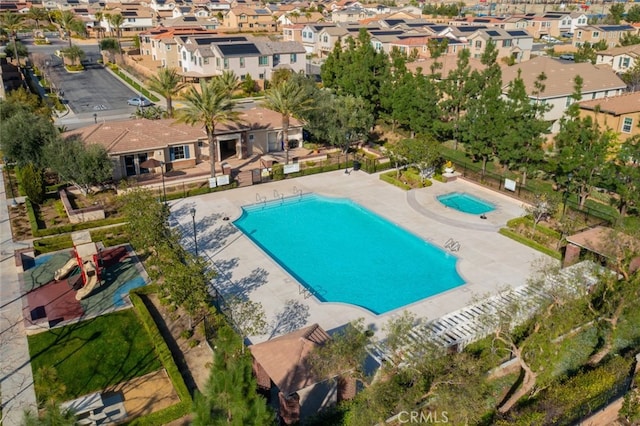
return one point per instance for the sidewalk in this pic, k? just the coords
(16, 379)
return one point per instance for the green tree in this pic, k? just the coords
(423, 152)
(21, 49)
(32, 182)
(146, 220)
(116, 21)
(521, 145)
(38, 15)
(581, 150)
(23, 136)
(229, 81)
(74, 54)
(633, 14)
(211, 105)
(616, 12)
(12, 23)
(587, 52)
(83, 165)
(457, 92)
(23, 99)
(110, 45)
(290, 100)
(279, 76)
(52, 415)
(358, 70)
(484, 123)
(168, 83)
(230, 397)
(246, 316)
(629, 39)
(248, 85)
(632, 77)
(66, 20)
(622, 175)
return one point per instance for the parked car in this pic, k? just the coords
(566, 35)
(140, 102)
(549, 39)
(567, 57)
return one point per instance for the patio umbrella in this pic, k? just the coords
(152, 163)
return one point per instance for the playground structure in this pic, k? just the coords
(86, 259)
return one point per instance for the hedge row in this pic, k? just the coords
(109, 236)
(139, 88)
(278, 172)
(526, 220)
(390, 177)
(534, 245)
(200, 191)
(164, 354)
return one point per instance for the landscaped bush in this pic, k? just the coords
(513, 223)
(200, 191)
(390, 177)
(528, 242)
(164, 354)
(110, 237)
(72, 227)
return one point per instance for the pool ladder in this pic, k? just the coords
(297, 192)
(277, 195)
(452, 245)
(261, 199)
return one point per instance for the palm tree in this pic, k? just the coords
(290, 99)
(116, 21)
(98, 27)
(73, 53)
(37, 14)
(211, 105)
(168, 83)
(66, 21)
(12, 23)
(229, 81)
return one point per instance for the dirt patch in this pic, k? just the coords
(20, 225)
(195, 350)
(147, 394)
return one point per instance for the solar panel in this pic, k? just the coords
(493, 33)
(189, 19)
(240, 49)
(262, 12)
(213, 40)
(518, 33)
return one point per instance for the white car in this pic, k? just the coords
(140, 102)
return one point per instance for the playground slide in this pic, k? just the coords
(92, 281)
(66, 269)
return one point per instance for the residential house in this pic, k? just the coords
(447, 63)
(516, 44)
(192, 21)
(610, 34)
(619, 113)
(161, 43)
(249, 19)
(281, 366)
(310, 34)
(181, 146)
(351, 14)
(543, 25)
(327, 39)
(598, 82)
(570, 22)
(292, 32)
(210, 56)
(621, 59)
(136, 19)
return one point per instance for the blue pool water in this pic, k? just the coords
(118, 296)
(342, 252)
(466, 203)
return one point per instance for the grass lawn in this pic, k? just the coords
(92, 355)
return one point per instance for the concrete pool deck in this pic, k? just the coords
(489, 262)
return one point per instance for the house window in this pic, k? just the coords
(293, 58)
(251, 137)
(200, 61)
(131, 19)
(263, 60)
(261, 76)
(206, 61)
(569, 102)
(626, 125)
(241, 62)
(168, 47)
(595, 34)
(325, 39)
(226, 63)
(579, 35)
(217, 62)
(184, 56)
(506, 43)
(624, 62)
(179, 152)
(478, 44)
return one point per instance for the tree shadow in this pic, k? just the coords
(293, 317)
(242, 287)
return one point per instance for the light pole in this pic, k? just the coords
(164, 190)
(195, 236)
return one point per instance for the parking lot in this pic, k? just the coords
(93, 90)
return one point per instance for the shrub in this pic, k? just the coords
(186, 334)
(193, 343)
(390, 177)
(278, 171)
(528, 242)
(32, 182)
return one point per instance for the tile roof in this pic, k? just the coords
(121, 137)
(279, 47)
(627, 103)
(285, 358)
(449, 63)
(561, 75)
(633, 50)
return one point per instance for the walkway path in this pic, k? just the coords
(16, 379)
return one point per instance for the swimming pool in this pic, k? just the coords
(466, 203)
(341, 252)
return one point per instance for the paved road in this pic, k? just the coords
(16, 378)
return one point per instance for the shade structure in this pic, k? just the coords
(151, 163)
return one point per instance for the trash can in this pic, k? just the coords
(356, 165)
